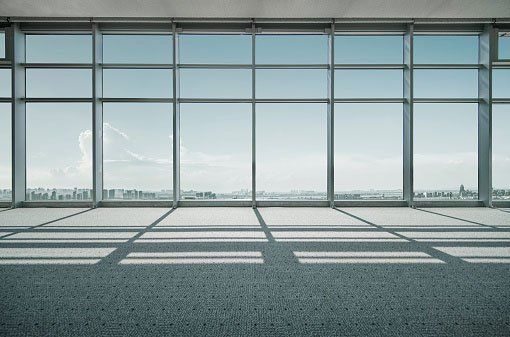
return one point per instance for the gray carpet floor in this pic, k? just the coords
(245, 272)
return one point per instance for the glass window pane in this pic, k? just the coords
(445, 151)
(457, 83)
(355, 49)
(446, 49)
(59, 48)
(501, 83)
(291, 83)
(216, 151)
(501, 151)
(215, 49)
(215, 83)
(5, 82)
(59, 151)
(5, 152)
(59, 82)
(504, 46)
(2, 45)
(291, 49)
(291, 151)
(137, 150)
(368, 151)
(142, 83)
(155, 49)
(368, 83)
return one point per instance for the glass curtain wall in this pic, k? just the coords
(368, 117)
(138, 117)
(445, 117)
(216, 116)
(58, 75)
(291, 116)
(501, 121)
(280, 90)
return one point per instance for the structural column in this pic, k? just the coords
(408, 116)
(15, 51)
(330, 118)
(486, 50)
(97, 115)
(176, 121)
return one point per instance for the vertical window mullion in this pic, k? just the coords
(176, 119)
(408, 116)
(97, 116)
(330, 118)
(253, 121)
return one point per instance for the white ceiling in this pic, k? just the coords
(258, 8)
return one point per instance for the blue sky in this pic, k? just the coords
(291, 138)
(504, 47)
(2, 45)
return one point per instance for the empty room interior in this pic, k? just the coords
(255, 168)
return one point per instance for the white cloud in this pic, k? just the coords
(141, 158)
(125, 167)
(109, 131)
(85, 144)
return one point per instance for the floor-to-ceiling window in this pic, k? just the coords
(215, 116)
(501, 121)
(258, 100)
(446, 117)
(5, 127)
(368, 117)
(291, 116)
(138, 116)
(58, 117)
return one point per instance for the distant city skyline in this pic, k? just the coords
(59, 194)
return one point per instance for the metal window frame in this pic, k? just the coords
(368, 30)
(96, 113)
(253, 119)
(15, 58)
(176, 121)
(97, 116)
(483, 101)
(498, 64)
(254, 66)
(157, 29)
(331, 119)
